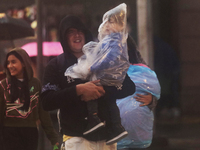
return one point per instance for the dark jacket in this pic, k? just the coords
(60, 93)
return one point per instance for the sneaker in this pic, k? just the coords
(94, 123)
(118, 133)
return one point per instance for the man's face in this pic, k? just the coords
(76, 40)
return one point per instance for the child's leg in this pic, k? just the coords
(94, 122)
(92, 107)
(113, 110)
(113, 122)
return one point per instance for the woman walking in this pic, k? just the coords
(20, 108)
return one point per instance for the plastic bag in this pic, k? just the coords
(106, 60)
(81, 69)
(118, 18)
(137, 120)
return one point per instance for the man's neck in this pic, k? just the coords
(77, 55)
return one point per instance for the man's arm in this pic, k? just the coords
(47, 126)
(53, 97)
(52, 100)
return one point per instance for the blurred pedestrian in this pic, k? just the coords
(167, 68)
(137, 110)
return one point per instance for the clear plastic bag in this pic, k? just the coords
(137, 120)
(81, 69)
(106, 60)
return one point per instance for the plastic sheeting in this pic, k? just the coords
(107, 59)
(137, 120)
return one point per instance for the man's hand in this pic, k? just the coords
(90, 91)
(145, 99)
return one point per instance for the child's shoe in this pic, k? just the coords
(118, 133)
(94, 123)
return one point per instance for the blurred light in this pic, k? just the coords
(2, 15)
(34, 24)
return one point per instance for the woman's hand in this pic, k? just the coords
(145, 99)
(90, 91)
(56, 146)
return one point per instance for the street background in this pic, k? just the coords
(176, 33)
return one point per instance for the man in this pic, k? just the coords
(71, 95)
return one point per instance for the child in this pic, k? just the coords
(106, 61)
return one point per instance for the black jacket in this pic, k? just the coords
(60, 93)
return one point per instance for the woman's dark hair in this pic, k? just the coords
(134, 55)
(15, 84)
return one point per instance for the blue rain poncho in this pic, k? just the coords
(137, 120)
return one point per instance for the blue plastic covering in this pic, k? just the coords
(137, 120)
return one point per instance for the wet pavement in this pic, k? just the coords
(181, 133)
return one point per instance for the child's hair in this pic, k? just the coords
(118, 16)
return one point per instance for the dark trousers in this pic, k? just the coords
(111, 111)
(20, 138)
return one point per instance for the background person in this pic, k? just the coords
(167, 68)
(137, 110)
(20, 108)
